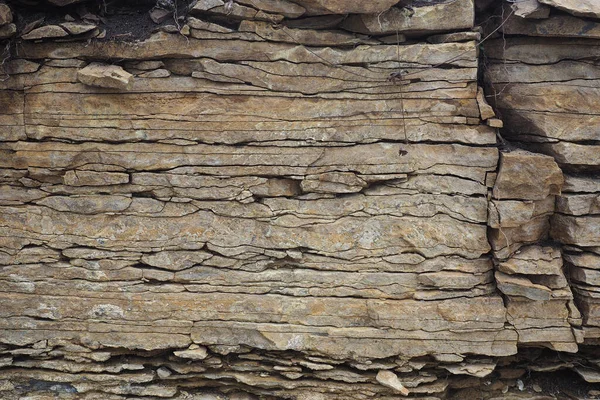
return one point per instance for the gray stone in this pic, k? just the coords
(581, 8)
(531, 9)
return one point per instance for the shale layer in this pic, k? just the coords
(314, 199)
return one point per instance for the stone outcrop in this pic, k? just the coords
(272, 199)
(547, 98)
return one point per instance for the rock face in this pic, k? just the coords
(263, 202)
(548, 98)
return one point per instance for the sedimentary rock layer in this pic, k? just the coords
(278, 200)
(543, 80)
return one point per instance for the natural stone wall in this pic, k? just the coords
(543, 77)
(297, 200)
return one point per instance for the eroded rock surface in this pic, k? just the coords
(261, 201)
(547, 99)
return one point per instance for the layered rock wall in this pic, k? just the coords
(543, 77)
(300, 200)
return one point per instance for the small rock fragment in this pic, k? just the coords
(77, 29)
(46, 32)
(485, 110)
(5, 15)
(157, 73)
(205, 5)
(495, 123)
(169, 29)
(199, 353)
(589, 375)
(390, 380)
(315, 366)
(531, 9)
(163, 372)
(106, 76)
(479, 370)
(159, 15)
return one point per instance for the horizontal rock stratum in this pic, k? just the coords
(256, 199)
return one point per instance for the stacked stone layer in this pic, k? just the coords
(544, 79)
(269, 199)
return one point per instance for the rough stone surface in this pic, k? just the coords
(105, 76)
(416, 19)
(77, 29)
(389, 379)
(556, 26)
(581, 8)
(46, 32)
(532, 9)
(542, 94)
(528, 176)
(279, 206)
(6, 16)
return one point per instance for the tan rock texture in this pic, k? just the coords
(105, 76)
(276, 200)
(548, 100)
